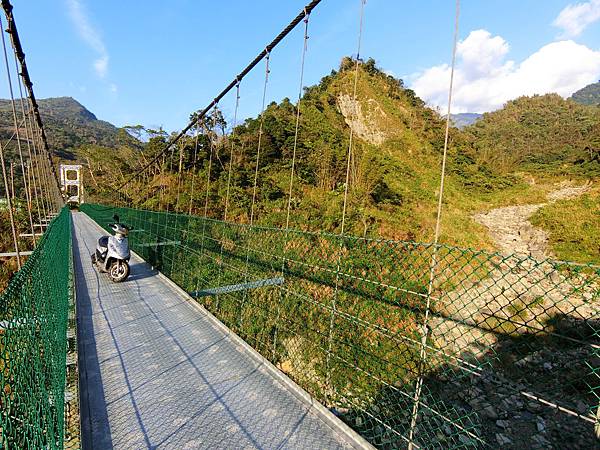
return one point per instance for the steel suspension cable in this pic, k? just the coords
(434, 257)
(44, 171)
(228, 189)
(260, 136)
(307, 9)
(31, 179)
(42, 167)
(193, 172)
(291, 184)
(345, 201)
(10, 206)
(231, 154)
(12, 180)
(24, 72)
(297, 126)
(355, 110)
(195, 160)
(37, 171)
(208, 173)
(179, 177)
(211, 139)
(255, 184)
(18, 137)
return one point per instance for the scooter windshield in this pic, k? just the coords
(118, 248)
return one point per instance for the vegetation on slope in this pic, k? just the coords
(8, 265)
(68, 125)
(589, 95)
(541, 134)
(395, 165)
(573, 226)
(394, 171)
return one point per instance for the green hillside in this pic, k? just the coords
(394, 175)
(395, 165)
(544, 134)
(573, 227)
(68, 126)
(589, 95)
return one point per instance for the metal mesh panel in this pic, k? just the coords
(507, 354)
(34, 317)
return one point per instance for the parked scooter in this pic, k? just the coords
(112, 252)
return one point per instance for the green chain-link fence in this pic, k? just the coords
(34, 314)
(507, 354)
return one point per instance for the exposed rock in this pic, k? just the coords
(541, 441)
(534, 407)
(502, 423)
(582, 408)
(490, 412)
(541, 424)
(525, 292)
(466, 440)
(363, 123)
(502, 439)
(521, 290)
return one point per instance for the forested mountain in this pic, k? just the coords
(394, 171)
(395, 162)
(68, 125)
(545, 134)
(589, 95)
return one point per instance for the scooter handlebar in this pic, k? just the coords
(126, 226)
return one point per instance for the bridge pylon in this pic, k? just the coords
(71, 182)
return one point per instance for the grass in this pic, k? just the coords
(573, 227)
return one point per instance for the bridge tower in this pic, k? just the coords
(71, 182)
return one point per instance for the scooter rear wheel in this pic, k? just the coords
(118, 271)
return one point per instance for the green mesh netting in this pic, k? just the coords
(509, 354)
(33, 343)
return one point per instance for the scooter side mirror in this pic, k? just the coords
(116, 218)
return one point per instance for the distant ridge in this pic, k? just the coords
(462, 120)
(589, 95)
(68, 125)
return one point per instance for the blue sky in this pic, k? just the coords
(154, 62)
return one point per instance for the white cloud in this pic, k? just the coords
(90, 36)
(112, 87)
(101, 66)
(484, 79)
(576, 17)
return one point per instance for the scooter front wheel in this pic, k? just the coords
(118, 271)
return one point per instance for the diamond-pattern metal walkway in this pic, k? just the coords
(157, 371)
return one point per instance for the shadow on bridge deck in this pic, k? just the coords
(158, 372)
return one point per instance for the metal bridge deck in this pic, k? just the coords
(159, 372)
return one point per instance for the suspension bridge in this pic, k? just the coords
(236, 334)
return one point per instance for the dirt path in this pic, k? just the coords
(512, 231)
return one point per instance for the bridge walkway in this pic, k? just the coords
(157, 371)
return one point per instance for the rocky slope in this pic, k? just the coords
(512, 327)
